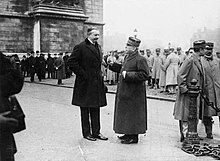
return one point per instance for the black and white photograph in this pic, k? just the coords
(109, 80)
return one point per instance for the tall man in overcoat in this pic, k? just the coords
(130, 116)
(212, 87)
(190, 69)
(89, 90)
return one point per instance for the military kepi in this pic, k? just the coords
(209, 45)
(133, 42)
(199, 44)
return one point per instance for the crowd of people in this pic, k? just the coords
(44, 66)
(163, 67)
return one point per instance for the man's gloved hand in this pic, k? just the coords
(124, 74)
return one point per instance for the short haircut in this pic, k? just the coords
(91, 29)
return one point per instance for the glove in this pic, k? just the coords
(124, 74)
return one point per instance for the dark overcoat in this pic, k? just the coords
(89, 89)
(59, 63)
(130, 115)
(50, 64)
(190, 69)
(11, 82)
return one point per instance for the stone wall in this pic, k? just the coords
(59, 35)
(14, 6)
(94, 10)
(16, 34)
(17, 27)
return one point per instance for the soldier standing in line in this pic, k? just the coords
(162, 82)
(172, 66)
(182, 56)
(211, 66)
(156, 63)
(149, 63)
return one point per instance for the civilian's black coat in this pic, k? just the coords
(89, 89)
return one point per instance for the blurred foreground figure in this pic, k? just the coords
(11, 82)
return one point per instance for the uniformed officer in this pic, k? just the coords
(190, 69)
(211, 67)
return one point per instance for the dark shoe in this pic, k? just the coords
(100, 137)
(129, 141)
(209, 136)
(89, 137)
(123, 137)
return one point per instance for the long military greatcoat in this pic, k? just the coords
(212, 84)
(89, 89)
(130, 115)
(156, 66)
(171, 67)
(190, 69)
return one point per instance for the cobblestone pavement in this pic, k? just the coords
(54, 134)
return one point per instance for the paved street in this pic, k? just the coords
(54, 133)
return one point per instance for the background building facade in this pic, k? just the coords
(47, 25)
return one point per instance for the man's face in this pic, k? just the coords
(202, 52)
(208, 52)
(148, 53)
(94, 36)
(129, 49)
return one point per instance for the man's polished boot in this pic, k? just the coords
(132, 139)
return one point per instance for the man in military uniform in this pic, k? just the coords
(190, 69)
(211, 66)
(156, 63)
(130, 117)
(181, 55)
(149, 62)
